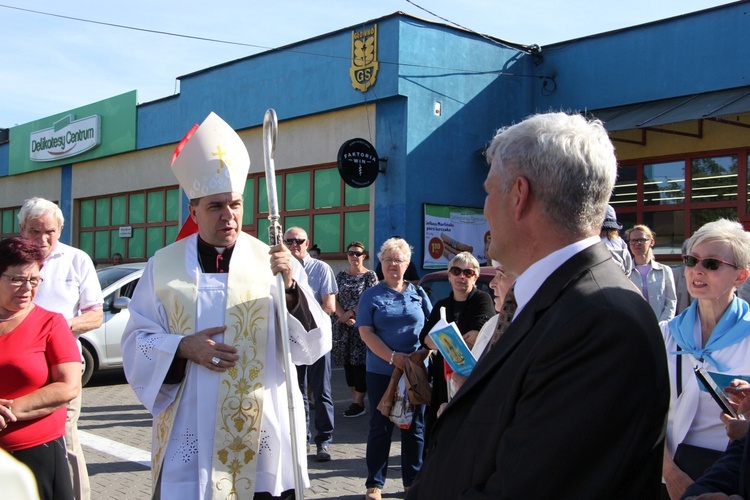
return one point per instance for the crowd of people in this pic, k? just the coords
(584, 382)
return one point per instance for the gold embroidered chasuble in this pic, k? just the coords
(239, 406)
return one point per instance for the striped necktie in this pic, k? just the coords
(506, 316)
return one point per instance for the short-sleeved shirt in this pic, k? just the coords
(397, 319)
(27, 355)
(320, 277)
(70, 285)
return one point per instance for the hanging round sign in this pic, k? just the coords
(358, 163)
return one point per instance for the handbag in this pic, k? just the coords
(417, 379)
(694, 460)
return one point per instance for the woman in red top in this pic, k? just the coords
(40, 370)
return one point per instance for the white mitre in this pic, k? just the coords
(211, 159)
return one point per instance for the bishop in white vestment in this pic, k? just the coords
(203, 350)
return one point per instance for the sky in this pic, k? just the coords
(50, 64)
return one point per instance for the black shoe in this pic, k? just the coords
(323, 455)
(354, 410)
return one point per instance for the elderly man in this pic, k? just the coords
(203, 348)
(318, 375)
(71, 288)
(569, 399)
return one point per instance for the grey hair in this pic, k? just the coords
(729, 231)
(34, 208)
(395, 244)
(569, 162)
(465, 258)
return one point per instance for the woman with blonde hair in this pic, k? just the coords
(390, 316)
(712, 333)
(470, 308)
(654, 280)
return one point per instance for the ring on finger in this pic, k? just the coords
(215, 360)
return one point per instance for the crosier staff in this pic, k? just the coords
(270, 131)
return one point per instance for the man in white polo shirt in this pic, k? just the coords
(71, 288)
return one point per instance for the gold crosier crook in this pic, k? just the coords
(275, 234)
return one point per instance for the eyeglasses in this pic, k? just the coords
(292, 241)
(398, 262)
(457, 271)
(19, 281)
(710, 264)
(352, 253)
(639, 241)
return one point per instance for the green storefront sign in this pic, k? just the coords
(93, 131)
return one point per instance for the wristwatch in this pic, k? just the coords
(291, 289)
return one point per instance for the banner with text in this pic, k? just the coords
(451, 230)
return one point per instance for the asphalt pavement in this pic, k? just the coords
(116, 436)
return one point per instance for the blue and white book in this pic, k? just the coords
(452, 346)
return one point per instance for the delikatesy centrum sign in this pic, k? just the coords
(67, 137)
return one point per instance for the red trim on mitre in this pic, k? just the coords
(182, 143)
(188, 228)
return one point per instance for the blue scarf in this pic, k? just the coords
(733, 326)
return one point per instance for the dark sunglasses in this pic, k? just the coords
(352, 253)
(457, 271)
(710, 264)
(291, 241)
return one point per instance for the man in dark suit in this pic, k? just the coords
(730, 475)
(570, 401)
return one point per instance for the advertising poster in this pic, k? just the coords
(451, 230)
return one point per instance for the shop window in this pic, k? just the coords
(700, 217)
(119, 211)
(357, 228)
(152, 216)
(327, 188)
(102, 212)
(9, 221)
(312, 199)
(675, 202)
(297, 191)
(137, 209)
(664, 183)
(327, 230)
(248, 205)
(669, 228)
(625, 193)
(714, 179)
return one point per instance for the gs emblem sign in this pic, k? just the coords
(364, 68)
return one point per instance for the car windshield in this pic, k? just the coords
(109, 275)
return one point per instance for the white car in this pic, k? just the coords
(101, 347)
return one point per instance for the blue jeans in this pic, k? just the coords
(379, 438)
(318, 375)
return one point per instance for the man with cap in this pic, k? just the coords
(202, 349)
(610, 235)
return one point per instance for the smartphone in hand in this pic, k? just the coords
(716, 393)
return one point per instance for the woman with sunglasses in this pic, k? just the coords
(712, 333)
(470, 308)
(655, 281)
(500, 285)
(348, 348)
(40, 371)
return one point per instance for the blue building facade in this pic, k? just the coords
(438, 96)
